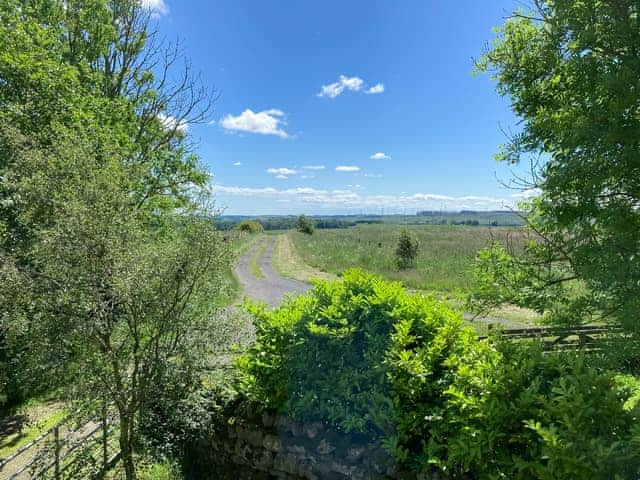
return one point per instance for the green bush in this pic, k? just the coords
(305, 225)
(250, 226)
(323, 356)
(406, 251)
(508, 410)
(365, 357)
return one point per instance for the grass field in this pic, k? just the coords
(445, 257)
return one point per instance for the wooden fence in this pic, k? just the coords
(587, 337)
(70, 449)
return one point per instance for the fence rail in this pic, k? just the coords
(67, 450)
(588, 337)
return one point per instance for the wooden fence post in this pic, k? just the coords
(105, 437)
(56, 435)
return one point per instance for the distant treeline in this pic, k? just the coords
(471, 218)
(289, 222)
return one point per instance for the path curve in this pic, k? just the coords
(273, 287)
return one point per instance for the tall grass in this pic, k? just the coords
(445, 256)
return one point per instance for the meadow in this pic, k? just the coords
(445, 257)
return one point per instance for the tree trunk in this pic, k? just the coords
(126, 446)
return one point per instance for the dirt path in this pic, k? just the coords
(273, 287)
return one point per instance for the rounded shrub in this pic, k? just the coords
(250, 226)
(323, 356)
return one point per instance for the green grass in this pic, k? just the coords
(41, 416)
(445, 257)
(254, 266)
(240, 243)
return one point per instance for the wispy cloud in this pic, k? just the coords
(380, 156)
(171, 123)
(281, 171)
(266, 122)
(528, 193)
(377, 88)
(237, 164)
(343, 200)
(344, 83)
(332, 90)
(347, 168)
(157, 8)
(313, 167)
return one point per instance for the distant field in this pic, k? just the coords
(445, 259)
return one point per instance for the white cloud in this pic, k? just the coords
(281, 177)
(281, 171)
(347, 168)
(267, 122)
(528, 193)
(373, 175)
(171, 123)
(156, 7)
(313, 167)
(377, 88)
(355, 84)
(380, 156)
(237, 164)
(346, 200)
(344, 83)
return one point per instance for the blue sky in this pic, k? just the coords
(346, 106)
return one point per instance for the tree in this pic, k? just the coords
(570, 69)
(305, 225)
(406, 251)
(250, 226)
(108, 260)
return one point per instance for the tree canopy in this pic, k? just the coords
(571, 70)
(108, 258)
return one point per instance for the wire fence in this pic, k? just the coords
(76, 447)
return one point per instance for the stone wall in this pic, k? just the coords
(256, 445)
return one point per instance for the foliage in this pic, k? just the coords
(305, 225)
(570, 69)
(108, 263)
(250, 226)
(406, 251)
(506, 410)
(523, 414)
(367, 358)
(322, 356)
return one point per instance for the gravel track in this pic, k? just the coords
(273, 287)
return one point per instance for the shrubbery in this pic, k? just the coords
(506, 410)
(305, 225)
(366, 357)
(406, 251)
(250, 226)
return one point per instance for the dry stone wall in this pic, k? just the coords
(258, 446)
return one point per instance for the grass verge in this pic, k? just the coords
(254, 261)
(288, 263)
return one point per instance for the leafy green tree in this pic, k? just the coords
(570, 69)
(305, 225)
(108, 262)
(406, 251)
(250, 226)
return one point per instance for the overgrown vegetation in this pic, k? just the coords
(108, 259)
(444, 262)
(369, 359)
